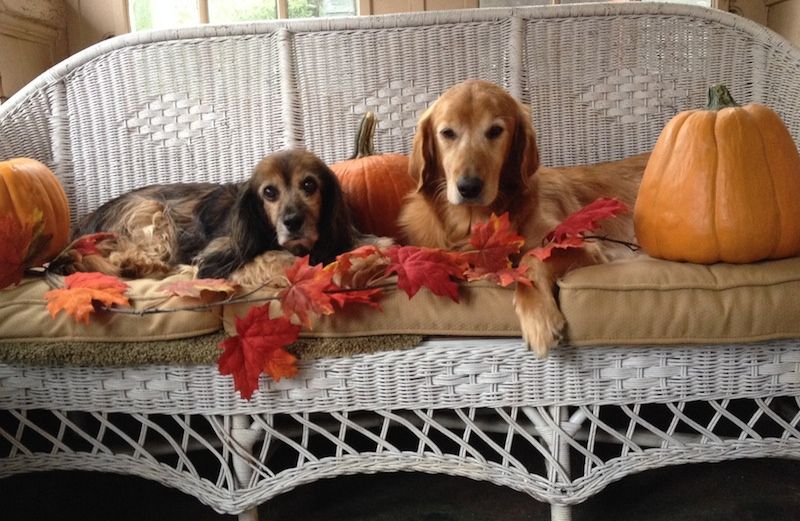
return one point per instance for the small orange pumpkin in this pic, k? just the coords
(722, 185)
(374, 185)
(27, 187)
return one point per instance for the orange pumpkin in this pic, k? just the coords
(374, 185)
(722, 185)
(28, 187)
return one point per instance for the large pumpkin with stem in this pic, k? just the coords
(32, 194)
(374, 184)
(721, 185)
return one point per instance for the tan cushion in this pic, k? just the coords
(650, 301)
(483, 310)
(24, 317)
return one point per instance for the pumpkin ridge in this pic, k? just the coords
(679, 125)
(776, 235)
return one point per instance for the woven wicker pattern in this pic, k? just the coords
(204, 104)
(601, 82)
(439, 374)
(235, 463)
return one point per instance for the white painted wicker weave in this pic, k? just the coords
(207, 103)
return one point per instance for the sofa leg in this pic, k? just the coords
(560, 513)
(249, 515)
(245, 438)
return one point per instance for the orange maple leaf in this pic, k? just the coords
(205, 290)
(84, 292)
(494, 242)
(258, 346)
(305, 297)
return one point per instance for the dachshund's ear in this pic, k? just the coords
(335, 225)
(252, 233)
(422, 163)
(523, 158)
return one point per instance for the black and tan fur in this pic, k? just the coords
(292, 203)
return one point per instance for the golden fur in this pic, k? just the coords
(474, 154)
(249, 232)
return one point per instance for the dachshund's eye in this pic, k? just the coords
(309, 185)
(270, 193)
(448, 133)
(494, 132)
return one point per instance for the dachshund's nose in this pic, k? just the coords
(293, 221)
(469, 187)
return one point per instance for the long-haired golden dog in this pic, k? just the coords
(474, 154)
(292, 202)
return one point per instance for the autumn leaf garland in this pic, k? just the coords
(356, 277)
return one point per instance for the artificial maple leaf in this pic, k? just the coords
(368, 296)
(258, 347)
(305, 297)
(280, 364)
(363, 267)
(587, 218)
(570, 233)
(16, 240)
(494, 242)
(205, 290)
(88, 244)
(545, 252)
(425, 267)
(83, 292)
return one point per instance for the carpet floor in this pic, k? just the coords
(748, 490)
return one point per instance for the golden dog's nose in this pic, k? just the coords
(469, 187)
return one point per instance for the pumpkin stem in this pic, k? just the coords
(364, 136)
(719, 97)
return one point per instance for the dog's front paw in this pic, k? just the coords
(541, 321)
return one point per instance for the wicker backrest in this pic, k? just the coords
(205, 104)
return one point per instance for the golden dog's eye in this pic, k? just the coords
(270, 193)
(448, 133)
(494, 132)
(309, 185)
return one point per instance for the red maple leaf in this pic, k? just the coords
(87, 244)
(570, 233)
(587, 218)
(83, 292)
(258, 346)
(430, 268)
(342, 297)
(15, 238)
(305, 297)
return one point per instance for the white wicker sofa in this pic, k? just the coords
(601, 80)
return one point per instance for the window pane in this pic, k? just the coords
(309, 8)
(225, 11)
(158, 14)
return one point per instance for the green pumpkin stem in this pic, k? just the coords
(366, 131)
(719, 97)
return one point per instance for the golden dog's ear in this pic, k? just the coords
(422, 163)
(523, 158)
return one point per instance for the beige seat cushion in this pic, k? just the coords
(637, 301)
(650, 301)
(483, 310)
(24, 317)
